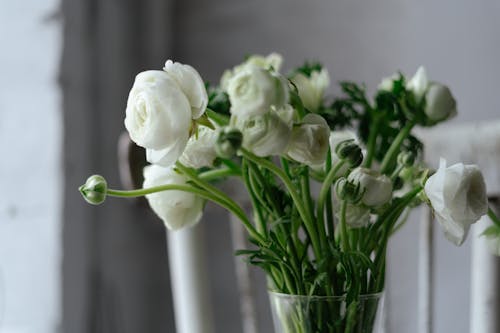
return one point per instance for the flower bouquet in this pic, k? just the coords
(330, 179)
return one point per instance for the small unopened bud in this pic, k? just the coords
(348, 190)
(94, 190)
(228, 142)
(349, 151)
(406, 158)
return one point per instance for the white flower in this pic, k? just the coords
(387, 83)
(266, 134)
(200, 149)
(376, 188)
(158, 116)
(418, 83)
(191, 84)
(312, 89)
(439, 103)
(177, 209)
(357, 216)
(458, 197)
(271, 62)
(309, 141)
(337, 137)
(254, 90)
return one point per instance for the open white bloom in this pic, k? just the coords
(200, 149)
(493, 243)
(177, 209)
(458, 197)
(254, 90)
(312, 89)
(377, 188)
(418, 83)
(158, 116)
(191, 84)
(266, 134)
(337, 137)
(272, 61)
(439, 102)
(309, 141)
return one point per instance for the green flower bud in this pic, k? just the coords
(94, 190)
(406, 158)
(348, 190)
(349, 151)
(228, 142)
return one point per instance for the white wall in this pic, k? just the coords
(30, 174)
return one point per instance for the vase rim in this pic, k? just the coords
(362, 297)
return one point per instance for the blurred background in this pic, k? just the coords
(66, 69)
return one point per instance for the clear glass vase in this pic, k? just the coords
(325, 314)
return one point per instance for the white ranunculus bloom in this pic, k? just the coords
(439, 102)
(200, 149)
(177, 209)
(312, 89)
(309, 141)
(337, 137)
(254, 90)
(264, 135)
(191, 83)
(377, 188)
(418, 83)
(158, 116)
(458, 197)
(272, 61)
(493, 243)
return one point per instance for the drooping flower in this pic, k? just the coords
(377, 188)
(264, 135)
(177, 209)
(309, 141)
(439, 103)
(458, 196)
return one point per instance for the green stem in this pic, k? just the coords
(218, 118)
(393, 149)
(218, 173)
(221, 196)
(325, 188)
(372, 140)
(258, 212)
(309, 224)
(235, 209)
(494, 218)
(343, 227)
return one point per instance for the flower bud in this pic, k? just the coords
(228, 142)
(349, 151)
(419, 83)
(348, 190)
(94, 190)
(406, 158)
(440, 104)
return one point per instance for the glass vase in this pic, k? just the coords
(326, 314)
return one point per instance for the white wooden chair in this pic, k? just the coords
(477, 143)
